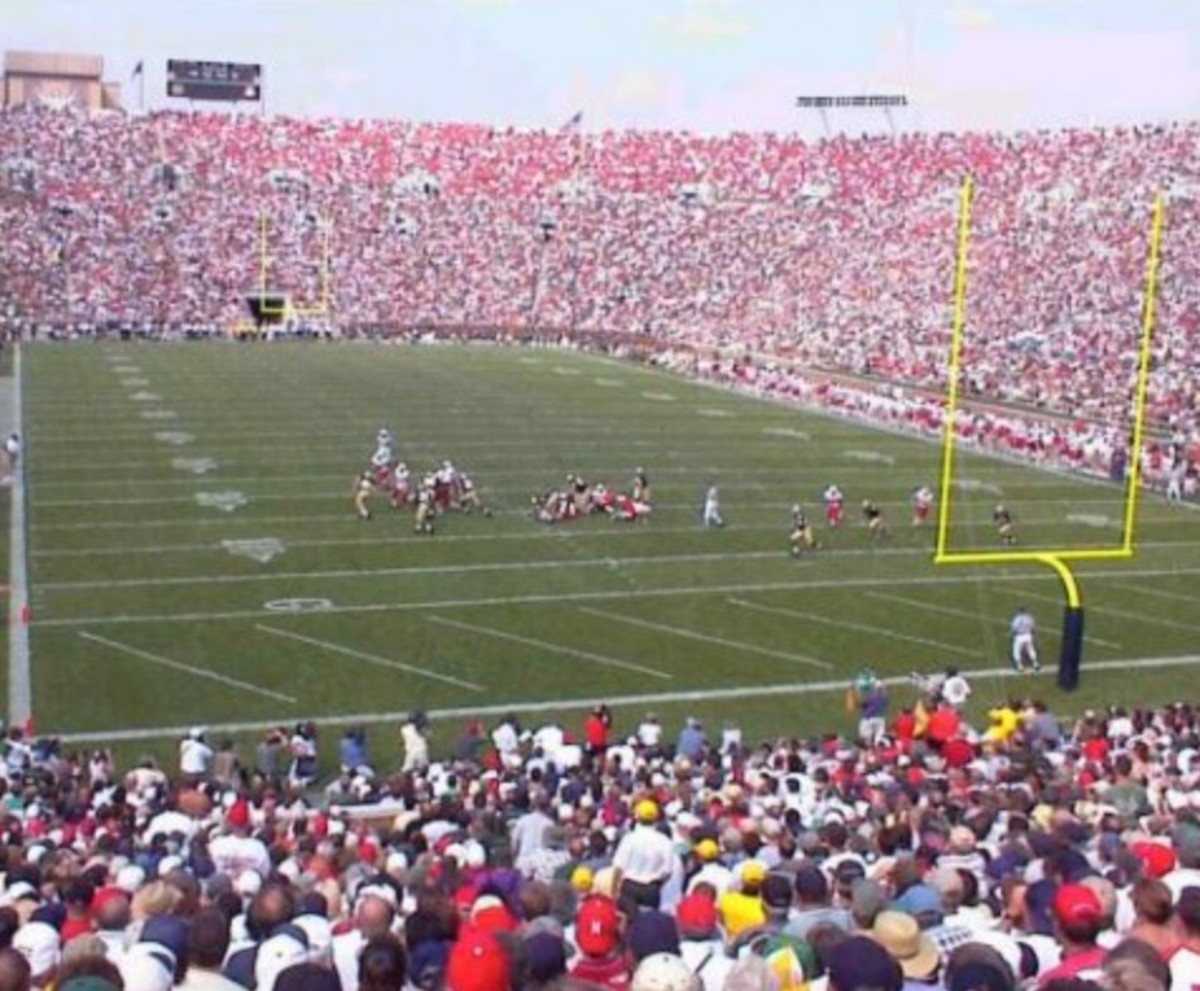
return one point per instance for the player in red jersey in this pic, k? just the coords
(833, 506)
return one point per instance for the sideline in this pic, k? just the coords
(20, 687)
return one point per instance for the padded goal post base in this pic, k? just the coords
(1072, 648)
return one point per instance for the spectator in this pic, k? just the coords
(207, 943)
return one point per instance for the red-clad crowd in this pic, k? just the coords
(834, 255)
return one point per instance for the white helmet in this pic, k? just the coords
(664, 972)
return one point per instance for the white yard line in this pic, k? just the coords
(490, 567)
(360, 655)
(196, 672)
(1158, 593)
(20, 685)
(656, 699)
(584, 655)
(438, 569)
(848, 625)
(1108, 611)
(560, 597)
(676, 631)
(963, 614)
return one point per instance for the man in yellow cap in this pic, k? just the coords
(645, 859)
(741, 908)
(712, 871)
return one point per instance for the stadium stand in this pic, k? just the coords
(797, 258)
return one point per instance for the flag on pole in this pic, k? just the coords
(137, 70)
(574, 125)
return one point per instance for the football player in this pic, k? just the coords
(833, 506)
(364, 484)
(641, 486)
(426, 513)
(1004, 525)
(802, 536)
(922, 501)
(873, 517)
(401, 486)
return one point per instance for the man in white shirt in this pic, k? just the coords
(195, 755)
(1185, 962)
(955, 688)
(644, 860)
(373, 917)
(1023, 648)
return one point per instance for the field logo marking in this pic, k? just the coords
(662, 397)
(715, 413)
(787, 432)
(227, 502)
(145, 397)
(298, 605)
(869, 457)
(197, 466)
(260, 549)
(1095, 520)
(176, 438)
(975, 485)
(157, 414)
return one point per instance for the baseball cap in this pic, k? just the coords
(752, 872)
(151, 967)
(581, 879)
(477, 962)
(646, 810)
(696, 917)
(169, 931)
(860, 962)
(546, 956)
(1156, 859)
(1074, 904)
(979, 975)
(597, 926)
(664, 972)
(707, 850)
(38, 943)
(308, 977)
(777, 891)
(275, 956)
(652, 932)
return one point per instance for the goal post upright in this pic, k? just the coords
(1071, 653)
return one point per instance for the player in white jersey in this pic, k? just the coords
(1024, 651)
(401, 486)
(922, 500)
(712, 507)
(363, 486)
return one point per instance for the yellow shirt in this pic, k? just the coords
(739, 912)
(1004, 725)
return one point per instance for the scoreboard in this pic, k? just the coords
(230, 81)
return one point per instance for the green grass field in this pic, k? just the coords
(145, 619)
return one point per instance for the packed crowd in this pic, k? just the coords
(833, 255)
(927, 854)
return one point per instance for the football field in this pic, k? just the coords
(194, 556)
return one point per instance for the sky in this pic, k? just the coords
(711, 66)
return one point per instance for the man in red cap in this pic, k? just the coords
(477, 962)
(1078, 918)
(598, 937)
